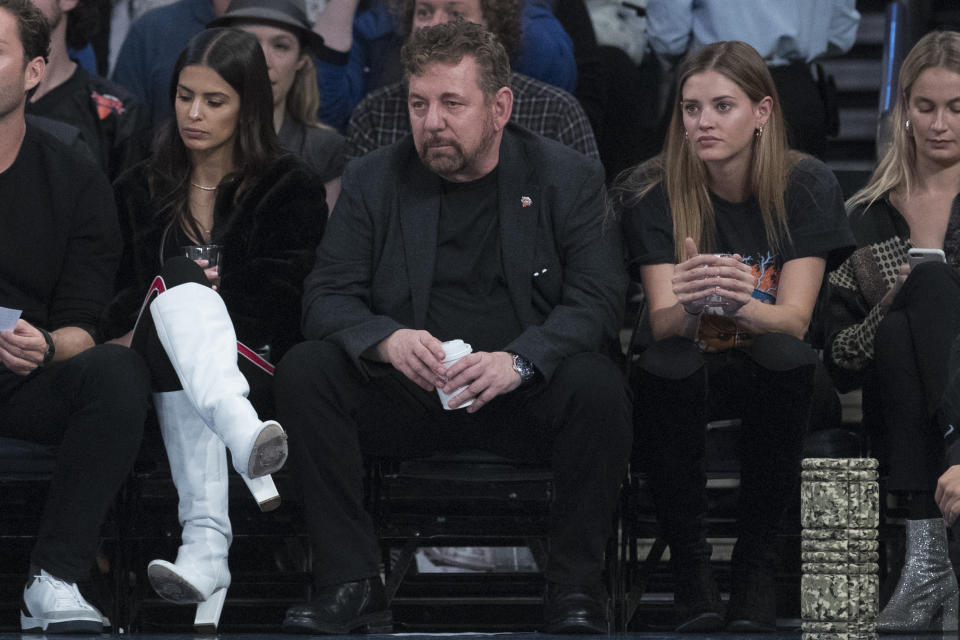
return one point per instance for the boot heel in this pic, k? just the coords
(948, 615)
(208, 612)
(264, 492)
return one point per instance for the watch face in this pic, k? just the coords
(524, 368)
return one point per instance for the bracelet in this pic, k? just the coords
(51, 347)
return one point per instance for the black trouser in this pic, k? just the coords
(679, 389)
(579, 422)
(93, 407)
(175, 271)
(911, 351)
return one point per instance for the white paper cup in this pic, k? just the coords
(453, 350)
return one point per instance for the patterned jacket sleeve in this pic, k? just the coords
(853, 308)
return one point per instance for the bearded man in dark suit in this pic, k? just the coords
(471, 229)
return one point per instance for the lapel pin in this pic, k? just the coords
(525, 201)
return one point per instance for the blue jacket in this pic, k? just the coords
(151, 48)
(374, 59)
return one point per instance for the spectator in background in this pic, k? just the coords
(617, 92)
(111, 122)
(789, 35)
(287, 40)
(123, 14)
(382, 118)
(83, 35)
(146, 59)
(890, 326)
(365, 42)
(59, 248)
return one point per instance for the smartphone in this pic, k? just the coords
(916, 256)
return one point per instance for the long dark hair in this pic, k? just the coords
(238, 58)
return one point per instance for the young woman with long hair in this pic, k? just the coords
(729, 233)
(288, 43)
(890, 327)
(218, 176)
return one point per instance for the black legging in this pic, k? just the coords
(176, 271)
(93, 406)
(911, 351)
(678, 389)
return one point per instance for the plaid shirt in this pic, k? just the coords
(382, 118)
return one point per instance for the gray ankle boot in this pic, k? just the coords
(926, 596)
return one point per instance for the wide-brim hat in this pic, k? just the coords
(286, 14)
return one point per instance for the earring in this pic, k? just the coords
(906, 125)
(759, 131)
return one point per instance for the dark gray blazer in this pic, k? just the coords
(565, 275)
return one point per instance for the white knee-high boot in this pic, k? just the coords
(198, 336)
(198, 464)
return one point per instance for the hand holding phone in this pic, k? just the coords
(918, 255)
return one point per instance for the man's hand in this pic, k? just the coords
(415, 354)
(486, 375)
(948, 494)
(22, 350)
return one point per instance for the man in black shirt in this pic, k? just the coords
(59, 248)
(112, 123)
(471, 229)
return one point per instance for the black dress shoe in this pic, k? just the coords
(575, 609)
(350, 607)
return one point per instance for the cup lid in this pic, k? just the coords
(455, 349)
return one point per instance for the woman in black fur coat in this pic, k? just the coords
(218, 176)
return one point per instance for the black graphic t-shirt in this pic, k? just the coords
(815, 217)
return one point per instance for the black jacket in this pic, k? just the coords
(565, 275)
(267, 237)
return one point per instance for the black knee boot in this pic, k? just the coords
(671, 417)
(769, 475)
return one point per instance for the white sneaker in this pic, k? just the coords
(52, 605)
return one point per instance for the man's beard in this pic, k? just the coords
(12, 97)
(451, 158)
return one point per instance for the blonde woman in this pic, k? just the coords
(890, 327)
(729, 233)
(287, 40)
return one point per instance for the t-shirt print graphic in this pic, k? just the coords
(719, 333)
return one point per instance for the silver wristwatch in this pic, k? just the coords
(523, 367)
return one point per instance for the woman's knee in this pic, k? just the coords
(782, 352)
(892, 340)
(934, 277)
(673, 358)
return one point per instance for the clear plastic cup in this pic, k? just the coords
(714, 303)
